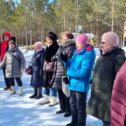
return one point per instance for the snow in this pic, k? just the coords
(22, 111)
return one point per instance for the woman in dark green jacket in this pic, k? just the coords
(106, 67)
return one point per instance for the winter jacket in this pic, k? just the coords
(68, 48)
(37, 69)
(105, 69)
(118, 100)
(59, 69)
(49, 53)
(79, 69)
(14, 63)
(4, 45)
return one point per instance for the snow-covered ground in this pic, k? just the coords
(22, 111)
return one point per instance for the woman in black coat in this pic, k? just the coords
(37, 70)
(105, 70)
(51, 49)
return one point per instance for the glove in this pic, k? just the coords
(64, 57)
(54, 58)
(22, 70)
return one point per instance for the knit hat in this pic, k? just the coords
(82, 38)
(111, 37)
(52, 36)
(12, 42)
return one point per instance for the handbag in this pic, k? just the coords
(65, 89)
(49, 66)
(29, 69)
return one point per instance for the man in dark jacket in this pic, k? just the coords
(3, 48)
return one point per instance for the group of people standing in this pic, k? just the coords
(75, 59)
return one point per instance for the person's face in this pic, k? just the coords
(64, 38)
(79, 45)
(49, 41)
(35, 47)
(6, 38)
(104, 46)
(11, 46)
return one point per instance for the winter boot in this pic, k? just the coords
(35, 93)
(8, 88)
(53, 101)
(71, 124)
(20, 91)
(39, 93)
(13, 90)
(45, 100)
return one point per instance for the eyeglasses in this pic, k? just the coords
(102, 42)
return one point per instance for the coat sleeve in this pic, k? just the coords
(42, 63)
(3, 63)
(119, 60)
(86, 66)
(22, 60)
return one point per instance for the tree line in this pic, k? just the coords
(31, 20)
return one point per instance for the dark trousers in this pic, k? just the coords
(106, 123)
(6, 79)
(78, 108)
(63, 101)
(37, 91)
(18, 80)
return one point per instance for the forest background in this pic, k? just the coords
(31, 20)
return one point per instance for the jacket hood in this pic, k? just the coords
(69, 43)
(7, 34)
(40, 51)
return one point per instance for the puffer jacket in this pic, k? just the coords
(118, 100)
(79, 69)
(105, 69)
(59, 70)
(68, 48)
(13, 62)
(37, 69)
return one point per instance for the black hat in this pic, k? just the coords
(14, 38)
(52, 36)
(12, 42)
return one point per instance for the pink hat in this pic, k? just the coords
(82, 38)
(111, 37)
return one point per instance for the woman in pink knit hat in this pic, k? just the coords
(106, 67)
(79, 68)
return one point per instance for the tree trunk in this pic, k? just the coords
(26, 37)
(112, 27)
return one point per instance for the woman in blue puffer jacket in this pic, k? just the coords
(79, 69)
